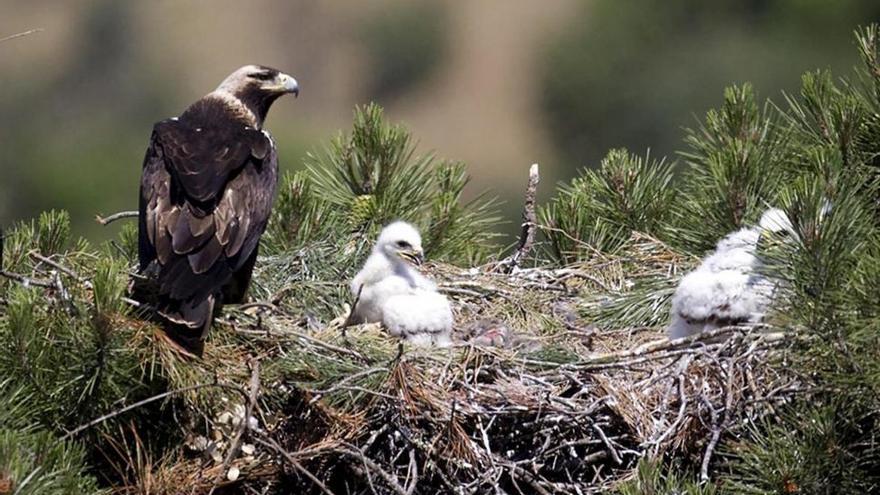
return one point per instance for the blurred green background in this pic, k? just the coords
(499, 84)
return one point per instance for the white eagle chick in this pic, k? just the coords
(390, 290)
(727, 288)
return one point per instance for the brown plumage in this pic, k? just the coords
(206, 191)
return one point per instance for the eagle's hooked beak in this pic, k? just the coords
(414, 256)
(285, 84)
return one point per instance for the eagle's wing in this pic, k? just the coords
(202, 159)
(203, 209)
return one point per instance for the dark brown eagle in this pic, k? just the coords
(206, 191)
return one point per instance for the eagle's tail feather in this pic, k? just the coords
(188, 324)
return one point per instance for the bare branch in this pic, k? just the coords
(530, 220)
(27, 281)
(253, 392)
(149, 400)
(22, 34)
(116, 216)
(389, 478)
(267, 441)
(58, 266)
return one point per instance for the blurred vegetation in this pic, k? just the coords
(628, 74)
(405, 46)
(362, 181)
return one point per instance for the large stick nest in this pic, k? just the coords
(562, 406)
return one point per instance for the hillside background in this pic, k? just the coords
(494, 83)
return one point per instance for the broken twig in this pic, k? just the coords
(530, 219)
(21, 35)
(116, 216)
(146, 401)
(253, 392)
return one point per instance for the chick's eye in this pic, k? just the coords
(402, 244)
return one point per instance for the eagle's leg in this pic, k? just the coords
(235, 290)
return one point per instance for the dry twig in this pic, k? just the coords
(21, 35)
(253, 392)
(149, 400)
(530, 220)
(116, 216)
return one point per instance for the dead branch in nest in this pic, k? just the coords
(148, 400)
(58, 266)
(318, 394)
(250, 404)
(116, 216)
(56, 284)
(28, 281)
(270, 443)
(290, 333)
(718, 426)
(391, 480)
(530, 220)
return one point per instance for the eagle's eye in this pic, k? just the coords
(402, 244)
(262, 76)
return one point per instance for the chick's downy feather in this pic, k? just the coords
(389, 290)
(728, 287)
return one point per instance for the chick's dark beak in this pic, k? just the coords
(414, 256)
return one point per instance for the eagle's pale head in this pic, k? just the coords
(257, 87)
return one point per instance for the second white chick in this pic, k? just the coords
(390, 290)
(727, 288)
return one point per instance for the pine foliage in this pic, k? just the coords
(359, 182)
(829, 451)
(34, 461)
(735, 164)
(651, 477)
(599, 209)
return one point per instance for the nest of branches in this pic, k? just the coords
(557, 404)
(561, 406)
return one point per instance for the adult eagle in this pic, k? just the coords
(206, 191)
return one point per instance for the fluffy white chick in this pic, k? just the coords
(390, 290)
(727, 288)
